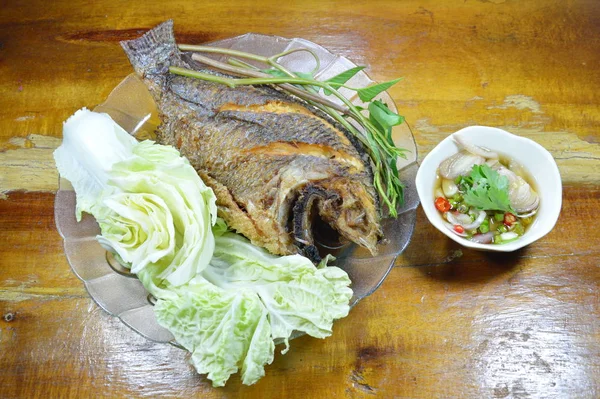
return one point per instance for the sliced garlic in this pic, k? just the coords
(449, 187)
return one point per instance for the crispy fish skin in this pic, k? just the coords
(275, 165)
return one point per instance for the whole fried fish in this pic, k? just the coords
(277, 167)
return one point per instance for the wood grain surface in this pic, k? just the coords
(448, 322)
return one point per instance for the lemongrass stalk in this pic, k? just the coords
(242, 54)
(257, 74)
(225, 51)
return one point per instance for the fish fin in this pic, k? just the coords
(240, 221)
(152, 54)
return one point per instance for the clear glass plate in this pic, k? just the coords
(133, 108)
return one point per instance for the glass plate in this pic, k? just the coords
(133, 108)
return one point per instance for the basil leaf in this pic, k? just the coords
(368, 93)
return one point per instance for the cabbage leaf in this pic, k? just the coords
(225, 300)
(152, 207)
(230, 316)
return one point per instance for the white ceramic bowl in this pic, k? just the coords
(536, 160)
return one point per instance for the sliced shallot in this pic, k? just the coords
(526, 215)
(459, 164)
(485, 238)
(451, 228)
(474, 149)
(461, 219)
(457, 218)
(522, 196)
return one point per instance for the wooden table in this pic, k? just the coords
(447, 323)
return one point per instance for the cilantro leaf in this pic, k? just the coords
(487, 190)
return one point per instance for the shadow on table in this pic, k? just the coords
(450, 262)
(441, 258)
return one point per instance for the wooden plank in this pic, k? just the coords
(520, 323)
(516, 328)
(510, 72)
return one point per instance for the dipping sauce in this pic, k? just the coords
(485, 197)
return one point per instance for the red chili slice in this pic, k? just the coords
(442, 204)
(509, 219)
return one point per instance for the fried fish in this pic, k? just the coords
(277, 167)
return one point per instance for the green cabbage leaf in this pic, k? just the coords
(225, 300)
(231, 315)
(152, 207)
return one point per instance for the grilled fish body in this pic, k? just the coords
(275, 166)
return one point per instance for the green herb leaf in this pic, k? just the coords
(345, 76)
(368, 93)
(380, 112)
(384, 118)
(339, 79)
(487, 189)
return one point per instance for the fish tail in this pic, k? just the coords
(152, 54)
